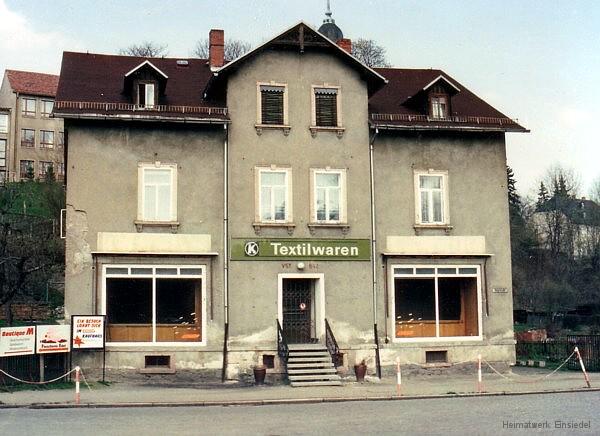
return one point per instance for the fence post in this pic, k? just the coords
(398, 377)
(77, 395)
(587, 379)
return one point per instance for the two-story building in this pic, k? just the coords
(294, 199)
(31, 141)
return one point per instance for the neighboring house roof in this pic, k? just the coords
(26, 82)
(392, 105)
(578, 210)
(93, 84)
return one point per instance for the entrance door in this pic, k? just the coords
(298, 311)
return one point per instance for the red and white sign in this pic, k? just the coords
(53, 339)
(17, 341)
(88, 331)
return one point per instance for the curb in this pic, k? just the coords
(279, 401)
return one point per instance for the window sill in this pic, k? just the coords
(339, 130)
(344, 227)
(420, 227)
(139, 225)
(258, 226)
(283, 127)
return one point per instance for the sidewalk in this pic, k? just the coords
(520, 381)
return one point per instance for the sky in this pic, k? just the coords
(535, 61)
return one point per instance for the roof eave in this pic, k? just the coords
(124, 117)
(417, 127)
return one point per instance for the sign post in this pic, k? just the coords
(89, 333)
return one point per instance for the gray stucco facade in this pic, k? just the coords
(244, 291)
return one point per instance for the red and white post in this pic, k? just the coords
(77, 394)
(479, 378)
(585, 375)
(398, 377)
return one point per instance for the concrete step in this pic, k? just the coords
(310, 365)
(299, 371)
(294, 347)
(308, 359)
(308, 354)
(315, 383)
(313, 377)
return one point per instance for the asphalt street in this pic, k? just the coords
(476, 415)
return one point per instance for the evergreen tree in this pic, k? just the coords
(514, 200)
(542, 196)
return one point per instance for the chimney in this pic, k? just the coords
(216, 48)
(345, 44)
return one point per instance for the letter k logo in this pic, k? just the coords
(251, 248)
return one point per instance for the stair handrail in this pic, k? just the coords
(282, 346)
(332, 345)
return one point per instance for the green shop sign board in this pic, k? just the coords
(307, 249)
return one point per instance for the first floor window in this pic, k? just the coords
(46, 139)
(28, 107)
(329, 191)
(436, 301)
(273, 195)
(432, 197)
(26, 169)
(61, 139)
(154, 303)
(2, 154)
(44, 167)
(60, 171)
(27, 138)
(157, 192)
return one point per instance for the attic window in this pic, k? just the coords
(439, 107)
(146, 95)
(326, 107)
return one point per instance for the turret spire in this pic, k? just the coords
(329, 28)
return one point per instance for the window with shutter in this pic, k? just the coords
(272, 105)
(326, 107)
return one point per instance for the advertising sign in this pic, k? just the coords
(296, 249)
(17, 341)
(53, 339)
(88, 331)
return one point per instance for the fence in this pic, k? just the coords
(558, 349)
(28, 367)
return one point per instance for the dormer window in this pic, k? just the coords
(146, 95)
(439, 107)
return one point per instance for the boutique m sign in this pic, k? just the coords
(305, 249)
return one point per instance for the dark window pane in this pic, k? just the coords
(415, 307)
(459, 313)
(178, 310)
(129, 309)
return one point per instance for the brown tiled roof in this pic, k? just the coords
(391, 104)
(26, 82)
(97, 82)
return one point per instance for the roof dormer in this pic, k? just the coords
(146, 84)
(439, 93)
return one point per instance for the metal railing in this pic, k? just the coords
(282, 346)
(332, 346)
(454, 119)
(129, 107)
(589, 348)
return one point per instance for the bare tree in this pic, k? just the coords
(233, 49)
(595, 191)
(146, 49)
(369, 53)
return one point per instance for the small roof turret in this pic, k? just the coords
(329, 28)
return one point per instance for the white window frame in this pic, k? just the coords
(43, 112)
(313, 102)
(26, 113)
(142, 168)
(343, 195)
(435, 276)
(147, 86)
(436, 102)
(48, 145)
(4, 128)
(445, 198)
(258, 171)
(154, 276)
(286, 121)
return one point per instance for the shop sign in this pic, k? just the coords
(17, 341)
(307, 249)
(88, 331)
(53, 339)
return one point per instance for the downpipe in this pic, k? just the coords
(225, 251)
(374, 251)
